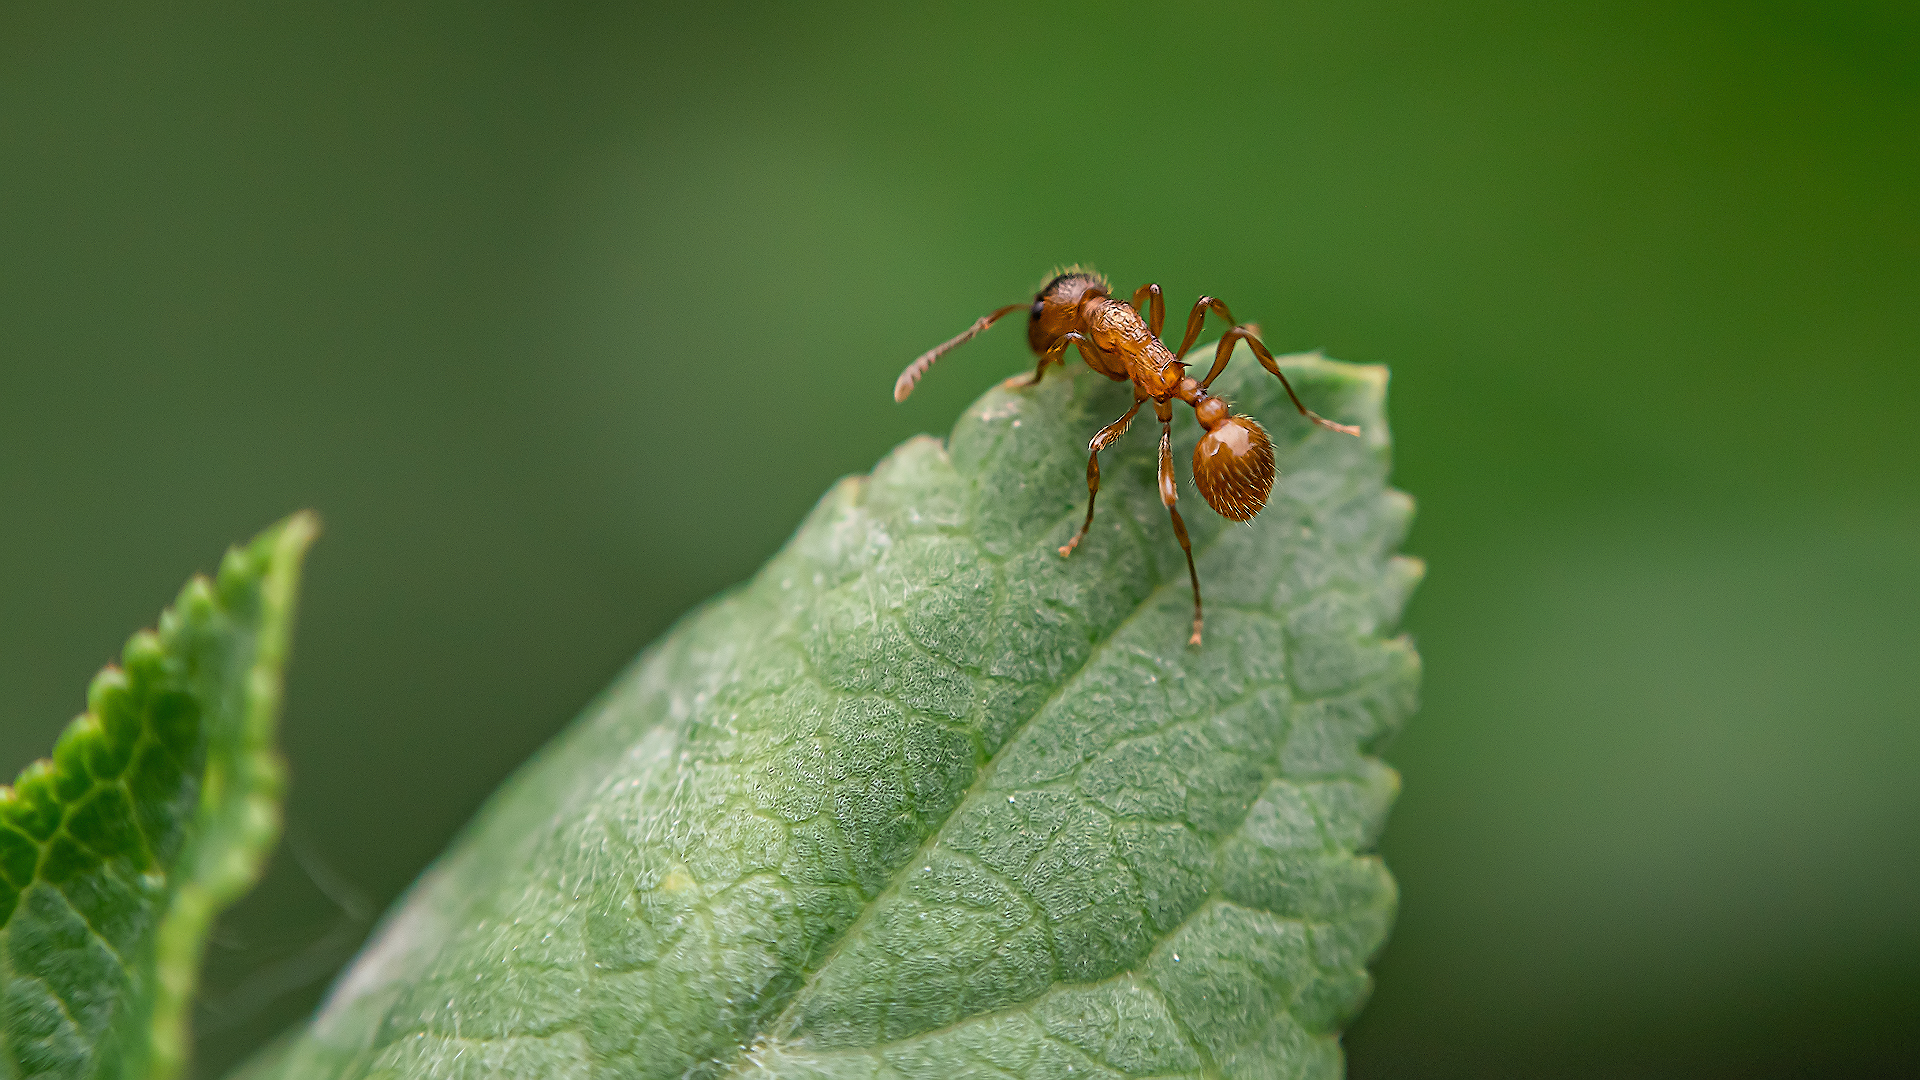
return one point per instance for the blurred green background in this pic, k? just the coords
(562, 316)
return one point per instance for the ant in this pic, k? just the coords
(1232, 465)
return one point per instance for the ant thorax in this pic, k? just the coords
(1117, 330)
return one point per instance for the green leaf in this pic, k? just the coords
(924, 799)
(156, 811)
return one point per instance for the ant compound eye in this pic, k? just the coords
(1039, 305)
(1233, 468)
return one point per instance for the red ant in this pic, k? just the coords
(1232, 465)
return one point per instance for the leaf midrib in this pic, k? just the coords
(900, 874)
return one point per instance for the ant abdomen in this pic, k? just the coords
(1233, 464)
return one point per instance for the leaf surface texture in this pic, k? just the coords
(924, 799)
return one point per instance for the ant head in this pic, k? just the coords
(1056, 307)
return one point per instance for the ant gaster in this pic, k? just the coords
(1232, 465)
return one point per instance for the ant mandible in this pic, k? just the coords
(1232, 465)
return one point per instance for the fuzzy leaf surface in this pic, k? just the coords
(925, 799)
(157, 809)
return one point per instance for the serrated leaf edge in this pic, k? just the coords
(237, 821)
(239, 815)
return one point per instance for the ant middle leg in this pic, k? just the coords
(1168, 492)
(1101, 440)
(1157, 314)
(1244, 333)
(1198, 318)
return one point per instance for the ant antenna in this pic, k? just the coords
(904, 384)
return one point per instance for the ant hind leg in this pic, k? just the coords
(1101, 440)
(1168, 492)
(1245, 333)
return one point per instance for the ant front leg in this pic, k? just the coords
(1055, 352)
(1157, 315)
(1169, 491)
(1225, 352)
(1101, 440)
